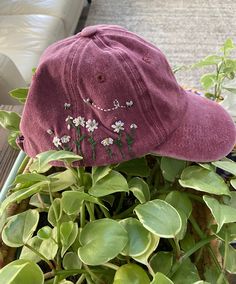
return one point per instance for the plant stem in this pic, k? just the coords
(40, 255)
(119, 206)
(196, 227)
(125, 213)
(189, 253)
(69, 272)
(105, 212)
(92, 274)
(151, 271)
(81, 279)
(178, 251)
(23, 165)
(91, 213)
(82, 215)
(111, 265)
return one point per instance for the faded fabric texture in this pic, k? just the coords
(109, 95)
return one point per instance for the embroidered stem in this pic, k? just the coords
(118, 142)
(93, 144)
(109, 151)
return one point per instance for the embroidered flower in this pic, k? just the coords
(49, 131)
(91, 125)
(67, 105)
(79, 121)
(68, 120)
(118, 126)
(56, 141)
(133, 125)
(65, 139)
(107, 142)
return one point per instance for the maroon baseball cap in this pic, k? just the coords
(110, 96)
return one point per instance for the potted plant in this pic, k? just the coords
(134, 222)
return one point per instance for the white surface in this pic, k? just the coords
(10, 79)
(67, 10)
(229, 103)
(24, 37)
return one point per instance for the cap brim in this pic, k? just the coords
(206, 133)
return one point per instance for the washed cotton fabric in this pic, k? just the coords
(110, 96)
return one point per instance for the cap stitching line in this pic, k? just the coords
(129, 67)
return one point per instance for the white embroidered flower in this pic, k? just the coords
(79, 121)
(67, 105)
(107, 142)
(133, 125)
(91, 125)
(65, 139)
(118, 126)
(49, 131)
(69, 118)
(56, 141)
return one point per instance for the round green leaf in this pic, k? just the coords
(68, 234)
(160, 278)
(9, 120)
(44, 233)
(112, 182)
(48, 248)
(171, 168)
(204, 180)
(20, 228)
(143, 258)
(162, 262)
(180, 201)
(159, 217)
(221, 212)
(139, 237)
(229, 166)
(135, 167)
(21, 271)
(131, 274)
(140, 189)
(28, 254)
(101, 241)
(71, 261)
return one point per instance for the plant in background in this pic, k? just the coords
(152, 220)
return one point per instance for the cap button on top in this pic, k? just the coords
(88, 31)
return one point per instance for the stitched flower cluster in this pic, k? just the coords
(121, 135)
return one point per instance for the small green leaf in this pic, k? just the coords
(11, 139)
(188, 242)
(20, 228)
(99, 173)
(136, 167)
(229, 166)
(48, 248)
(171, 168)
(139, 237)
(209, 60)
(72, 200)
(162, 262)
(143, 258)
(180, 201)
(108, 241)
(222, 213)
(131, 274)
(68, 233)
(187, 273)
(140, 189)
(44, 233)
(113, 182)
(29, 177)
(229, 229)
(208, 80)
(160, 278)
(230, 263)
(9, 120)
(55, 212)
(159, 217)
(42, 163)
(204, 180)
(19, 94)
(62, 180)
(71, 261)
(23, 194)
(28, 254)
(21, 271)
(228, 46)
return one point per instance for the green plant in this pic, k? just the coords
(153, 220)
(223, 76)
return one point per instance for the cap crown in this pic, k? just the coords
(104, 93)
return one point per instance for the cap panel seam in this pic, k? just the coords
(138, 87)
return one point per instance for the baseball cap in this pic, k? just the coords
(110, 96)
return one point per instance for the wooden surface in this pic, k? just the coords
(7, 153)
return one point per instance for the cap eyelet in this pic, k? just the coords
(101, 78)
